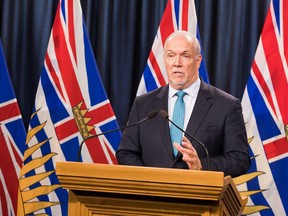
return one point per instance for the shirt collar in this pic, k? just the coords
(192, 90)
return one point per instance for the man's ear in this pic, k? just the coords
(199, 59)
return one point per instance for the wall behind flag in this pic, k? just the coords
(121, 34)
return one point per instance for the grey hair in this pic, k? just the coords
(191, 37)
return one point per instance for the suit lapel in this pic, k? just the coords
(201, 107)
(162, 104)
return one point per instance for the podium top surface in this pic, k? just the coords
(141, 174)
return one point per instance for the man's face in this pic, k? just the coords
(181, 62)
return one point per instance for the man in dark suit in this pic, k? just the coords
(211, 116)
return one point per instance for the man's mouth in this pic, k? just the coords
(177, 73)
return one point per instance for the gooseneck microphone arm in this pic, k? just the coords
(165, 115)
(150, 115)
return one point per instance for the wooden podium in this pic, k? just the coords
(102, 189)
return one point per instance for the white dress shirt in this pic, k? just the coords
(189, 99)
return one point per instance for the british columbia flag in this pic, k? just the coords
(178, 15)
(265, 107)
(70, 106)
(12, 142)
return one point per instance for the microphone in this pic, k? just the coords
(150, 115)
(165, 115)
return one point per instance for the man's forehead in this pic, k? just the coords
(179, 50)
(179, 46)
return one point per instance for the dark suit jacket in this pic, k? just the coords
(216, 121)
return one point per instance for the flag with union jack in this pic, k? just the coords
(12, 142)
(71, 105)
(265, 112)
(178, 15)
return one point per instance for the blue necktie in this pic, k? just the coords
(178, 119)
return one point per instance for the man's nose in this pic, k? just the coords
(177, 61)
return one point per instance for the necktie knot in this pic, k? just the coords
(181, 94)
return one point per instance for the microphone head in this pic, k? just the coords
(164, 114)
(152, 114)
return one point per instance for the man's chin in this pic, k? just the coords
(178, 85)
